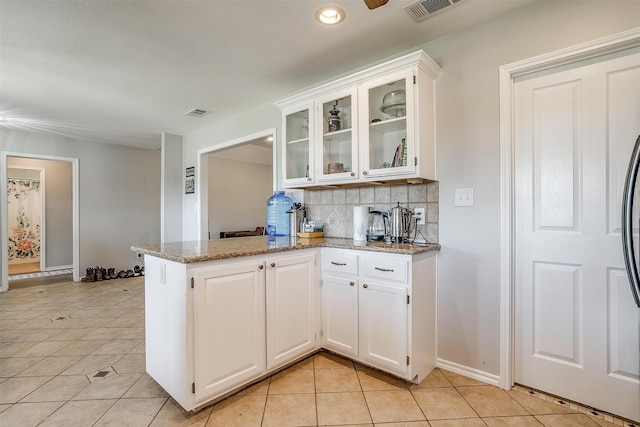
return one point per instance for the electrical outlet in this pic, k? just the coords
(420, 216)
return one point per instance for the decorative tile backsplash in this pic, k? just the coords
(335, 206)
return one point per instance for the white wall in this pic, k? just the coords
(468, 155)
(173, 183)
(119, 194)
(58, 204)
(238, 193)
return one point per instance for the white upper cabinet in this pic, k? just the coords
(337, 149)
(297, 149)
(374, 125)
(388, 138)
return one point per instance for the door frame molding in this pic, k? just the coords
(202, 174)
(507, 74)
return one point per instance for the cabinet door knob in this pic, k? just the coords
(365, 286)
(352, 284)
(261, 266)
(353, 174)
(273, 264)
(308, 179)
(364, 172)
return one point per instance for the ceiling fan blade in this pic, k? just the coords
(372, 4)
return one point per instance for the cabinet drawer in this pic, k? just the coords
(340, 262)
(384, 268)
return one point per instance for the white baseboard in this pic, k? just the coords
(60, 267)
(468, 372)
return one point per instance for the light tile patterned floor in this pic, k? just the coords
(72, 354)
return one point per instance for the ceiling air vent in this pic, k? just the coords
(424, 9)
(197, 112)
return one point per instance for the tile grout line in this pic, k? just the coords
(315, 388)
(364, 397)
(418, 404)
(467, 402)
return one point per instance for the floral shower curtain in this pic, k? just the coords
(24, 216)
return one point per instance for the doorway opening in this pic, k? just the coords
(235, 179)
(26, 219)
(62, 234)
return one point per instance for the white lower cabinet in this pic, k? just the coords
(213, 327)
(229, 326)
(340, 315)
(292, 312)
(383, 326)
(380, 310)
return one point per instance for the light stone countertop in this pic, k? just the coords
(211, 250)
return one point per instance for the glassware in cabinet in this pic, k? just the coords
(298, 151)
(338, 160)
(388, 133)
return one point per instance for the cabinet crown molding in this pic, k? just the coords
(418, 58)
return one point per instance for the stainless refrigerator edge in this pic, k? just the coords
(628, 249)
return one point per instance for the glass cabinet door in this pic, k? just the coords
(297, 151)
(387, 135)
(337, 158)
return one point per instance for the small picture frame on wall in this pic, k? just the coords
(190, 181)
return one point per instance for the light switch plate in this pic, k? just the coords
(464, 197)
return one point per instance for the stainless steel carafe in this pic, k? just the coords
(401, 224)
(297, 214)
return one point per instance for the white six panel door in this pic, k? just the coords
(577, 325)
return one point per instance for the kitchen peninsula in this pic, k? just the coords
(221, 314)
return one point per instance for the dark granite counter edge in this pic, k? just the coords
(300, 244)
(213, 256)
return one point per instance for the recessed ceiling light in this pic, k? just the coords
(330, 15)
